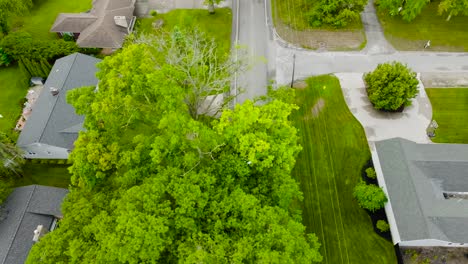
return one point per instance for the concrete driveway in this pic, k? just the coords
(411, 124)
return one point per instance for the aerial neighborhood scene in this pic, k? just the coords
(234, 131)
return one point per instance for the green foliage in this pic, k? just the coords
(5, 189)
(337, 13)
(153, 13)
(11, 159)
(409, 10)
(21, 45)
(370, 173)
(453, 8)
(391, 86)
(370, 197)
(152, 184)
(383, 226)
(5, 59)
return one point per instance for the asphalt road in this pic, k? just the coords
(255, 37)
(310, 63)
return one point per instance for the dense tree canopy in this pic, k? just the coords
(391, 86)
(152, 184)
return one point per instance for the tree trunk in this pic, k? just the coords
(449, 17)
(211, 7)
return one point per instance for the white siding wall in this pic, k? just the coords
(44, 151)
(431, 243)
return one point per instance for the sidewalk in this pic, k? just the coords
(411, 124)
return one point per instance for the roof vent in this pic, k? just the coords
(54, 91)
(39, 232)
(121, 21)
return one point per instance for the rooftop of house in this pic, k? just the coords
(25, 209)
(427, 185)
(53, 121)
(98, 27)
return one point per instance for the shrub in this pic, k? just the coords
(153, 13)
(383, 226)
(370, 197)
(391, 86)
(370, 172)
(336, 13)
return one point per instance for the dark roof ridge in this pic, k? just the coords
(60, 94)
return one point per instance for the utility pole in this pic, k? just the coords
(294, 67)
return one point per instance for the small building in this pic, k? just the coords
(53, 125)
(427, 189)
(105, 26)
(27, 214)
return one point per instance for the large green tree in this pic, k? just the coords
(153, 184)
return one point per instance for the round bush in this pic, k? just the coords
(370, 172)
(383, 226)
(370, 197)
(391, 86)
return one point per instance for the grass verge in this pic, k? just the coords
(450, 110)
(44, 174)
(329, 166)
(444, 35)
(217, 25)
(13, 87)
(43, 14)
(291, 24)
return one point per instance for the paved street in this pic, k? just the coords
(313, 63)
(255, 37)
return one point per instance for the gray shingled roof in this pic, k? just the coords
(25, 209)
(53, 121)
(97, 28)
(416, 177)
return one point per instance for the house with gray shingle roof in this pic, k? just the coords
(23, 211)
(53, 126)
(427, 189)
(104, 26)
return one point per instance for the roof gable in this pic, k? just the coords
(98, 28)
(416, 178)
(52, 114)
(25, 209)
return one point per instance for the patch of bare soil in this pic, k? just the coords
(322, 39)
(434, 255)
(300, 84)
(315, 110)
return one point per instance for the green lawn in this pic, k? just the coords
(43, 14)
(328, 168)
(45, 174)
(13, 87)
(446, 36)
(217, 26)
(450, 110)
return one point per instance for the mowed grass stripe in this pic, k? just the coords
(328, 150)
(328, 168)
